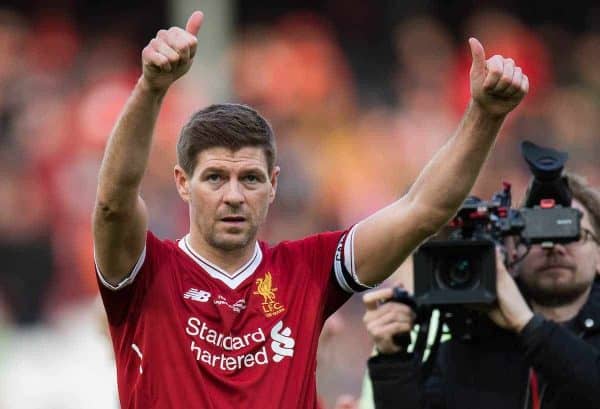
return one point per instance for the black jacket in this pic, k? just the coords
(494, 372)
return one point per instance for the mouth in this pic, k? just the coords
(233, 219)
(555, 268)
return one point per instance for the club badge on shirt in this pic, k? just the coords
(264, 287)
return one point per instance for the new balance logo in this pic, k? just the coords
(197, 295)
(282, 344)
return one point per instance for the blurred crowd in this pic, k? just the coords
(341, 157)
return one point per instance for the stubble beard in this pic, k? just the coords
(229, 244)
(554, 295)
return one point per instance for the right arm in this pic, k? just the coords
(396, 374)
(120, 218)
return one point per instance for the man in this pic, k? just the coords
(545, 354)
(217, 319)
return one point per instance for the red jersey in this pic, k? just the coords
(188, 335)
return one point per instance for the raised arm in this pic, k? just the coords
(386, 238)
(120, 217)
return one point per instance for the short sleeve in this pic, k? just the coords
(331, 254)
(120, 300)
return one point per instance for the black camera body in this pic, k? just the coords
(455, 272)
(461, 269)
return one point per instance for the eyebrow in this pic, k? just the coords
(221, 169)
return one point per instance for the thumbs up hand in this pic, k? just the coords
(497, 84)
(169, 55)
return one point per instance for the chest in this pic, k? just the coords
(270, 294)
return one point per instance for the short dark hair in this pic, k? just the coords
(232, 126)
(588, 196)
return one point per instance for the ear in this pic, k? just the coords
(274, 180)
(182, 182)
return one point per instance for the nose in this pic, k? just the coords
(557, 248)
(233, 195)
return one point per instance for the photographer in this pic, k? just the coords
(538, 348)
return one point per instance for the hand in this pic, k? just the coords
(512, 312)
(383, 321)
(170, 54)
(497, 84)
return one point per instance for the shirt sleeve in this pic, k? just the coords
(120, 299)
(344, 267)
(333, 266)
(564, 360)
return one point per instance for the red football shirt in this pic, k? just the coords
(187, 335)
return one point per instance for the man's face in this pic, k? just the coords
(560, 275)
(229, 195)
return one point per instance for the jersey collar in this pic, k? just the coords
(232, 281)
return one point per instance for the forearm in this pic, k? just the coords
(449, 177)
(120, 217)
(385, 239)
(396, 382)
(126, 155)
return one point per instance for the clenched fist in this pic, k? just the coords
(497, 84)
(170, 54)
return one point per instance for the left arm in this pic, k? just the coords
(557, 354)
(564, 361)
(386, 238)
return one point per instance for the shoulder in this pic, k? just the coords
(308, 242)
(154, 243)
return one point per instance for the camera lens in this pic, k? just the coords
(456, 274)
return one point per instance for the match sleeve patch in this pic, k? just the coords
(128, 279)
(344, 267)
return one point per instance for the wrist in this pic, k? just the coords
(520, 323)
(483, 113)
(146, 87)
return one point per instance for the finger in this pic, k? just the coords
(387, 331)
(373, 317)
(373, 298)
(179, 41)
(397, 308)
(194, 23)
(155, 59)
(375, 321)
(525, 84)
(478, 56)
(501, 271)
(508, 71)
(499, 255)
(495, 70)
(515, 85)
(386, 319)
(161, 47)
(496, 316)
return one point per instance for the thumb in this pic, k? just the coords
(194, 22)
(478, 55)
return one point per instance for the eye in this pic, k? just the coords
(251, 178)
(214, 178)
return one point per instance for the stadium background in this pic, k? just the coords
(360, 94)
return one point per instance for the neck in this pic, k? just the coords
(227, 260)
(562, 313)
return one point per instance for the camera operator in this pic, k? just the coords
(538, 348)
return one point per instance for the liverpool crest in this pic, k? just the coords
(264, 288)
